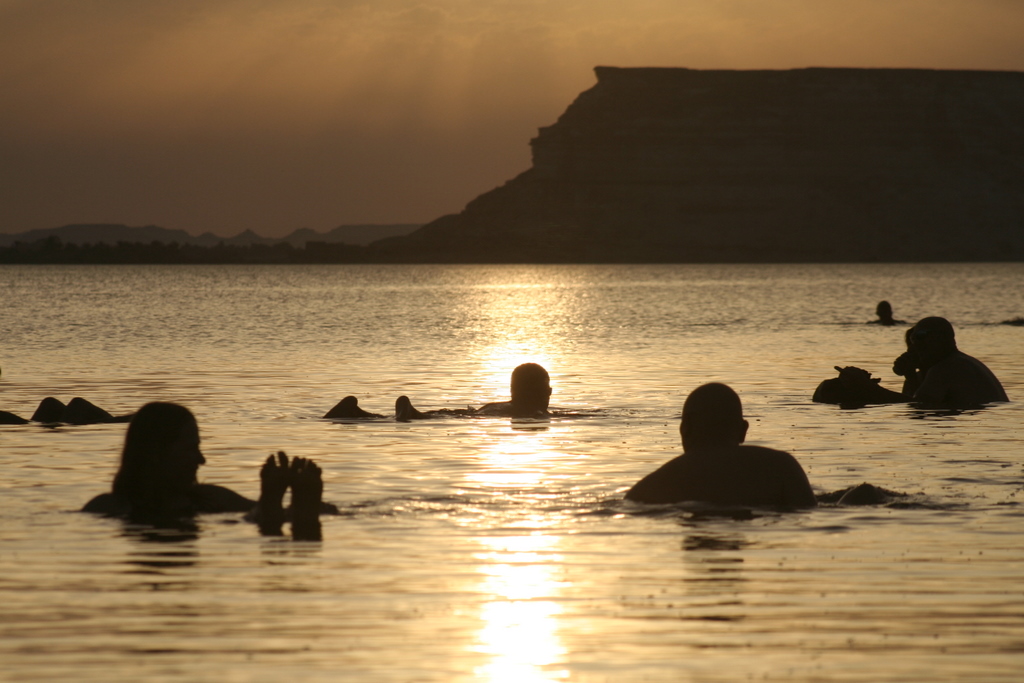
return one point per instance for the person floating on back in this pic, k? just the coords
(531, 393)
(884, 312)
(936, 372)
(78, 411)
(530, 389)
(715, 468)
(156, 482)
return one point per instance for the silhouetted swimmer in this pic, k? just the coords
(937, 373)
(156, 482)
(77, 412)
(531, 393)
(1018, 322)
(348, 407)
(715, 468)
(884, 312)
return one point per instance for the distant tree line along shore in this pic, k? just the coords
(52, 250)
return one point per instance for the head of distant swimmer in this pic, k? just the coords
(933, 339)
(531, 387)
(883, 310)
(712, 418)
(161, 453)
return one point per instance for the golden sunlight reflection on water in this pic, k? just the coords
(473, 548)
(520, 458)
(524, 323)
(520, 617)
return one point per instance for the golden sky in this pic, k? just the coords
(271, 115)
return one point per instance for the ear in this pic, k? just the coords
(743, 431)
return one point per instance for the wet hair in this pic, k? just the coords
(531, 382)
(712, 414)
(883, 309)
(150, 435)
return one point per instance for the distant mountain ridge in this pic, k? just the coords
(112, 233)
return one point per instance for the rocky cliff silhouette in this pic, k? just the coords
(818, 164)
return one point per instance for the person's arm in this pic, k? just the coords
(214, 498)
(906, 365)
(867, 388)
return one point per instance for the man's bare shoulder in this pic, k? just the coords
(763, 454)
(664, 485)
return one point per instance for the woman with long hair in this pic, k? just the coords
(156, 482)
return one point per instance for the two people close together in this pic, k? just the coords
(936, 374)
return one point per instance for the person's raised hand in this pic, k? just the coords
(906, 364)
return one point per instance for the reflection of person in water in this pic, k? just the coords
(936, 373)
(156, 481)
(884, 312)
(715, 468)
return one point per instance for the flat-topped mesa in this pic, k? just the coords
(818, 164)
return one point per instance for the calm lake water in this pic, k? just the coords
(497, 550)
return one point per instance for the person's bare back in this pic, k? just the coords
(714, 468)
(959, 380)
(738, 475)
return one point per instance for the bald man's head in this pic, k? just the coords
(531, 387)
(712, 416)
